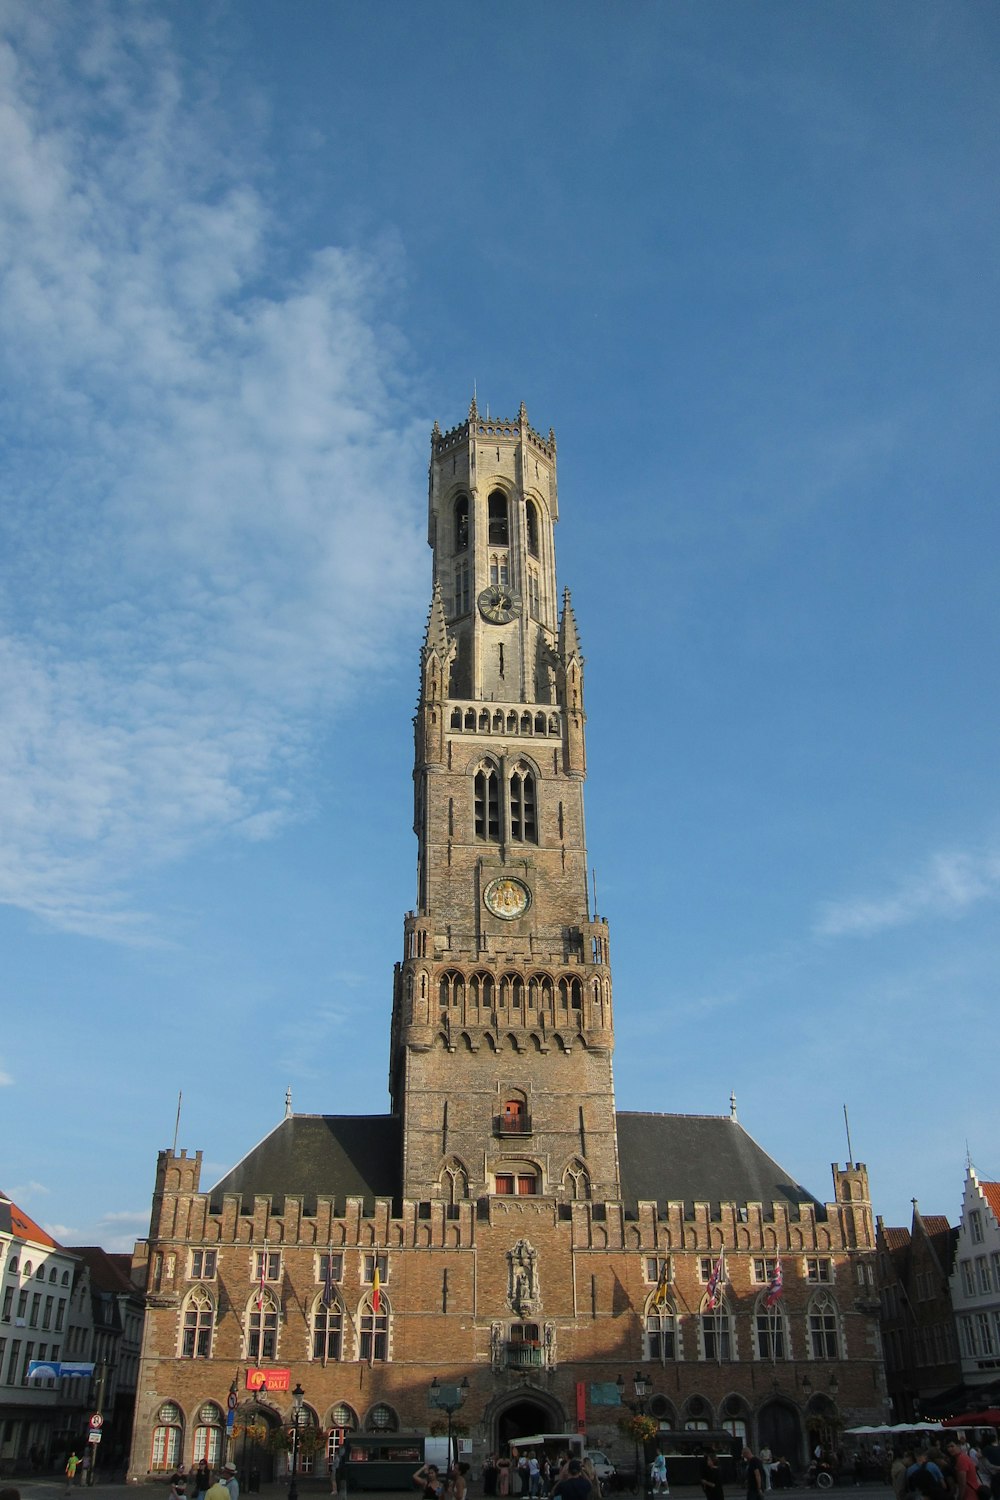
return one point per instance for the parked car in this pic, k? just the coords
(603, 1467)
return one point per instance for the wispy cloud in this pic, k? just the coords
(946, 886)
(205, 534)
(6, 1079)
(22, 1192)
(126, 1216)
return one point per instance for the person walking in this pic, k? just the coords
(710, 1476)
(72, 1464)
(754, 1474)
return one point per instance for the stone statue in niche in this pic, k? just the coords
(522, 1288)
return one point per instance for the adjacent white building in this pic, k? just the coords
(975, 1281)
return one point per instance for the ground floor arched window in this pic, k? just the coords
(168, 1437)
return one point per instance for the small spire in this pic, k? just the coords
(732, 1107)
(435, 430)
(473, 407)
(288, 1102)
(436, 636)
(569, 640)
(522, 414)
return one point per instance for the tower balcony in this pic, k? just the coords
(518, 1125)
(538, 720)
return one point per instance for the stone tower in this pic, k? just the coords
(502, 1032)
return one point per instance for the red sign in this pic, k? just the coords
(581, 1406)
(268, 1380)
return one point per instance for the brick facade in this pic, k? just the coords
(522, 1221)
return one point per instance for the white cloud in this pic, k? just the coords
(23, 1191)
(206, 537)
(6, 1079)
(947, 886)
(126, 1216)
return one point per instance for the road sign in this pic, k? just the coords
(94, 1437)
(96, 1422)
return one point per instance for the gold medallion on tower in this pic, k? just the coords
(507, 897)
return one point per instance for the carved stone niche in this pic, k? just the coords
(523, 1292)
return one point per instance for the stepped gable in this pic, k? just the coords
(700, 1158)
(311, 1156)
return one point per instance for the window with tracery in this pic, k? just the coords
(168, 1435)
(487, 803)
(523, 825)
(661, 1332)
(262, 1327)
(373, 1331)
(208, 1435)
(769, 1328)
(196, 1334)
(823, 1338)
(327, 1330)
(382, 1418)
(716, 1331)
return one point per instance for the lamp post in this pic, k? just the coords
(448, 1398)
(297, 1410)
(642, 1388)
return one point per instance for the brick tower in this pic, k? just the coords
(502, 1032)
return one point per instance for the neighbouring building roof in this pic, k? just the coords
(106, 1272)
(896, 1239)
(991, 1192)
(676, 1158)
(14, 1220)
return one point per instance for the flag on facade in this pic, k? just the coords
(775, 1286)
(328, 1283)
(661, 1294)
(260, 1289)
(376, 1292)
(712, 1291)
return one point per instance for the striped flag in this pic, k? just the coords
(775, 1286)
(327, 1298)
(376, 1291)
(661, 1293)
(713, 1293)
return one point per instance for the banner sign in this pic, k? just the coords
(49, 1369)
(581, 1406)
(269, 1380)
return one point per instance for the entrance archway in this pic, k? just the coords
(253, 1454)
(779, 1427)
(521, 1414)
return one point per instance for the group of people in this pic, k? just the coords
(535, 1475)
(962, 1470)
(198, 1485)
(433, 1485)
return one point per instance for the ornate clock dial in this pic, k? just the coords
(498, 604)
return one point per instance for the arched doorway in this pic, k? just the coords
(779, 1428)
(521, 1414)
(253, 1453)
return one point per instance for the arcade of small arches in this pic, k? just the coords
(473, 719)
(510, 1176)
(254, 1423)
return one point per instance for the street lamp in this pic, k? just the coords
(297, 1413)
(642, 1387)
(446, 1398)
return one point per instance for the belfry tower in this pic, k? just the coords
(502, 1031)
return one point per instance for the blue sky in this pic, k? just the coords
(743, 258)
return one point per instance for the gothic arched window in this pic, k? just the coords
(208, 1434)
(531, 526)
(327, 1341)
(716, 1331)
(373, 1330)
(660, 1332)
(824, 1342)
(523, 823)
(196, 1333)
(487, 803)
(462, 523)
(168, 1437)
(499, 525)
(262, 1327)
(771, 1335)
(382, 1418)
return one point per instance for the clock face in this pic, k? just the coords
(507, 898)
(498, 604)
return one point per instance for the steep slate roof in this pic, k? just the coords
(336, 1156)
(703, 1158)
(106, 1271)
(679, 1158)
(14, 1220)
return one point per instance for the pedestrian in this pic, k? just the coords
(710, 1476)
(427, 1479)
(754, 1474)
(218, 1491)
(658, 1475)
(575, 1485)
(228, 1478)
(72, 1464)
(202, 1479)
